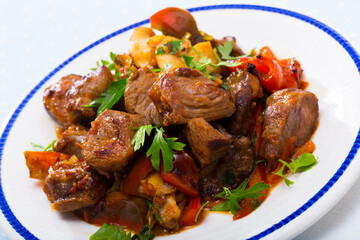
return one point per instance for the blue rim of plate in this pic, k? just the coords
(26, 234)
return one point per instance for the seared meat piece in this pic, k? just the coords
(108, 143)
(229, 171)
(136, 96)
(119, 209)
(71, 140)
(289, 112)
(183, 94)
(245, 87)
(72, 184)
(85, 90)
(54, 98)
(207, 144)
(236, 50)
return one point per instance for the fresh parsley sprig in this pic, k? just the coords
(174, 46)
(227, 48)
(112, 232)
(303, 163)
(111, 96)
(48, 148)
(234, 196)
(159, 144)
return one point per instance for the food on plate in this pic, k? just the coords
(183, 124)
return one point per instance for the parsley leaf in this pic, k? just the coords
(110, 232)
(303, 163)
(159, 144)
(227, 48)
(173, 45)
(111, 96)
(202, 206)
(234, 196)
(144, 234)
(167, 66)
(48, 148)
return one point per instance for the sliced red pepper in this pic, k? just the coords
(292, 73)
(139, 171)
(185, 174)
(188, 216)
(40, 162)
(259, 66)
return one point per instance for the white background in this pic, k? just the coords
(36, 36)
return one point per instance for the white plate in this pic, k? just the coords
(330, 64)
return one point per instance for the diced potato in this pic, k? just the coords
(205, 49)
(141, 52)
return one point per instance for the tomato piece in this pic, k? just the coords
(139, 171)
(40, 162)
(188, 216)
(185, 174)
(292, 73)
(176, 22)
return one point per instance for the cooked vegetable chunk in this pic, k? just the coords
(72, 184)
(136, 96)
(141, 52)
(207, 144)
(88, 88)
(183, 94)
(289, 113)
(229, 171)
(54, 98)
(108, 143)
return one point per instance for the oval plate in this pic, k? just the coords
(331, 66)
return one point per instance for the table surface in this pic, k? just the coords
(36, 36)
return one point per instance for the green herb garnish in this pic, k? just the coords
(173, 45)
(234, 196)
(110, 232)
(227, 48)
(48, 148)
(303, 163)
(167, 66)
(159, 144)
(111, 96)
(198, 213)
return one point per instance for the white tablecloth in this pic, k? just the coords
(36, 36)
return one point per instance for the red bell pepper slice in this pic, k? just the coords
(185, 174)
(139, 171)
(188, 216)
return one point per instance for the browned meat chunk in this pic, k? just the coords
(236, 50)
(183, 94)
(72, 184)
(207, 144)
(230, 171)
(119, 209)
(136, 96)
(108, 143)
(54, 98)
(71, 140)
(245, 87)
(289, 112)
(85, 90)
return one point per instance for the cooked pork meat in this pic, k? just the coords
(183, 94)
(72, 184)
(207, 144)
(71, 140)
(229, 171)
(85, 90)
(136, 96)
(243, 80)
(108, 143)
(54, 98)
(289, 113)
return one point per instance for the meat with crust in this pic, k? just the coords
(183, 94)
(229, 171)
(207, 144)
(136, 96)
(72, 184)
(289, 112)
(108, 145)
(54, 98)
(88, 88)
(70, 141)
